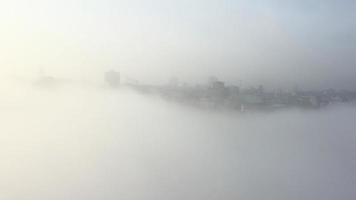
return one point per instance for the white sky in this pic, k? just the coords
(276, 42)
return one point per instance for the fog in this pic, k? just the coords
(65, 134)
(97, 143)
(310, 43)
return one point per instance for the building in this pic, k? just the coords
(112, 78)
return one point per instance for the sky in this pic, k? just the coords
(278, 43)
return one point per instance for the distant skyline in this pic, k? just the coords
(279, 43)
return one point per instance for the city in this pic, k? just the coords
(217, 95)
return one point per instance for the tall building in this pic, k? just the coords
(112, 77)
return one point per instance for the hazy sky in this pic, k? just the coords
(309, 43)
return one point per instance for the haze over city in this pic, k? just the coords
(280, 43)
(173, 100)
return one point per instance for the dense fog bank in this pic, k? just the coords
(91, 144)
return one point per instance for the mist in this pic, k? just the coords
(188, 99)
(275, 43)
(98, 143)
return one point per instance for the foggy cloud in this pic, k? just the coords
(96, 144)
(186, 99)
